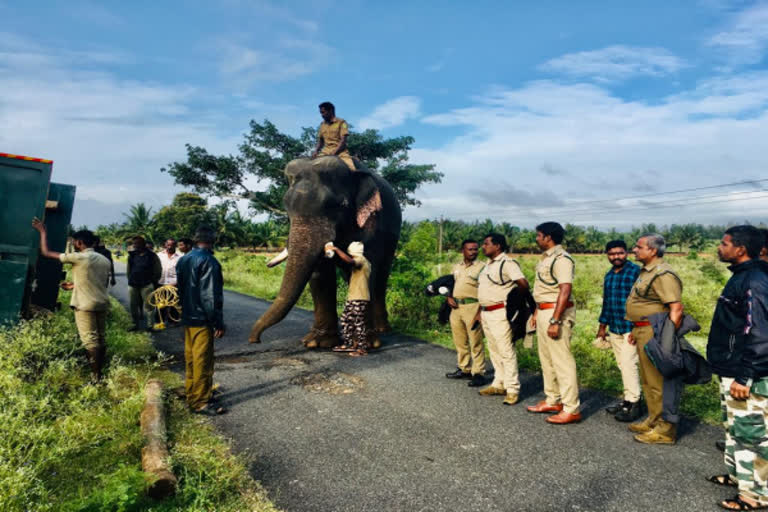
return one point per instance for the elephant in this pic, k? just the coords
(327, 202)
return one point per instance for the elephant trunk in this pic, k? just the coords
(306, 241)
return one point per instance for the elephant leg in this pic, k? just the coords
(379, 278)
(325, 331)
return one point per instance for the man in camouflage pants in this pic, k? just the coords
(737, 349)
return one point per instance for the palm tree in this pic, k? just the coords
(138, 221)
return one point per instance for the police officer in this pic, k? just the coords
(500, 275)
(554, 318)
(658, 289)
(468, 341)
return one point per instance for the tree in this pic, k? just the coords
(182, 217)
(138, 221)
(265, 152)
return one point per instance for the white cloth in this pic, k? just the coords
(169, 267)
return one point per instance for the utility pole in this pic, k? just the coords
(440, 248)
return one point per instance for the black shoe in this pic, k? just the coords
(614, 408)
(211, 409)
(630, 411)
(477, 381)
(720, 445)
(459, 374)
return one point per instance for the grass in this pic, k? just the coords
(67, 445)
(412, 313)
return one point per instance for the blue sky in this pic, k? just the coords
(533, 110)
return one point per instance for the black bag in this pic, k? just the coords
(442, 286)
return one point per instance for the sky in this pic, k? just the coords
(596, 112)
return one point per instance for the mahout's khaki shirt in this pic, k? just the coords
(656, 287)
(555, 267)
(359, 287)
(332, 133)
(497, 279)
(466, 279)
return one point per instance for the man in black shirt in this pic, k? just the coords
(144, 271)
(737, 350)
(101, 249)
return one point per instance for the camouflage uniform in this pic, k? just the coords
(746, 439)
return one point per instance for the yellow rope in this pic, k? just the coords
(166, 297)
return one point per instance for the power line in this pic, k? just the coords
(670, 202)
(563, 210)
(684, 203)
(568, 208)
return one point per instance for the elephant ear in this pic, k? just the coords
(367, 199)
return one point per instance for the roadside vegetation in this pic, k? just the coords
(415, 314)
(68, 445)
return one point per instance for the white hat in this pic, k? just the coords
(356, 249)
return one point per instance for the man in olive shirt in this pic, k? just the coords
(658, 289)
(554, 319)
(332, 136)
(499, 276)
(90, 302)
(468, 341)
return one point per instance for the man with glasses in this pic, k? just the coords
(615, 329)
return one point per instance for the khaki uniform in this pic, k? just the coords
(558, 366)
(470, 352)
(494, 284)
(359, 289)
(198, 356)
(90, 274)
(332, 133)
(655, 288)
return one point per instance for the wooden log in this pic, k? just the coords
(154, 454)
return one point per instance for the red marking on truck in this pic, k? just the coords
(29, 158)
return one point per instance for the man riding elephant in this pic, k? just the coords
(332, 136)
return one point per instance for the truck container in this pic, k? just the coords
(24, 183)
(48, 272)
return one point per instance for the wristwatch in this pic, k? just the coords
(552, 321)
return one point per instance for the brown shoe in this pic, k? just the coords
(543, 406)
(563, 418)
(511, 399)
(490, 391)
(655, 437)
(641, 427)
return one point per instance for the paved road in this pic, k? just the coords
(388, 432)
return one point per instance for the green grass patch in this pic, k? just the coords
(67, 445)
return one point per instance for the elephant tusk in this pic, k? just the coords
(278, 259)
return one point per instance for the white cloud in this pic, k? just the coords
(616, 63)
(611, 147)
(288, 59)
(107, 136)
(391, 113)
(745, 37)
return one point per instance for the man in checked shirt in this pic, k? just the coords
(615, 329)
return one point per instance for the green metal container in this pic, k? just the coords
(23, 192)
(48, 273)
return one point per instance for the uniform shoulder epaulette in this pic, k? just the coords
(552, 268)
(660, 270)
